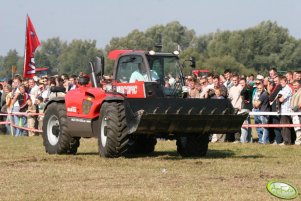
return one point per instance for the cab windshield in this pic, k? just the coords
(167, 68)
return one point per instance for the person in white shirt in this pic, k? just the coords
(43, 92)
(72, 82)
(228, 74)
(234, 93)
(171, 80)
(33, 89)
(284, 97)
(141, 75)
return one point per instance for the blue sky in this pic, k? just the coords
(101, 20)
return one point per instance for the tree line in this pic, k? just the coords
(252, 50)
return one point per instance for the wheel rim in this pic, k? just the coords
(103, 131)
(53, 130)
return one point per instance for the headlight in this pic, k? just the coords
(176, 52)
(152, 52)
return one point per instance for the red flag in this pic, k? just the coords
(31, 43)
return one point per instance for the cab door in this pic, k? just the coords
(127, 65)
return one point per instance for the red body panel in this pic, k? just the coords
(75, 99)
(131, 90)
(114, 54)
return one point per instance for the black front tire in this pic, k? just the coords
(113, 138)
(193, 146)
(56, 138)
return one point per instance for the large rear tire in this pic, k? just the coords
(143, 145)
(193, 146)
(113, 138)
(56, 139)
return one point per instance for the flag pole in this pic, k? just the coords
(26, 26)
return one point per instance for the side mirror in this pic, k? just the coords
(97, 70)
(192, 60)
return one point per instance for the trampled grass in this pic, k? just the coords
(229, 172)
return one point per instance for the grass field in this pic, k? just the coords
(229, 172)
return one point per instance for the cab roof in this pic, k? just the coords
(114, 54)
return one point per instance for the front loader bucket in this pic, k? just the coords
(182, 116)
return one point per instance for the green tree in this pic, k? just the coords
(170, 36)
(136, 40)
(49, 54)
(200, 44)
(1, 63)
(219, 64)
(76, 56)
(261, 47)
(175, 34)
(42, 60)
(9, 60)
(295, 57)
(255, 49)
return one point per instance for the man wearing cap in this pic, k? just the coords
(259, 77)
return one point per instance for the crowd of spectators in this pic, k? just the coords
(28, 97)
(273, 93)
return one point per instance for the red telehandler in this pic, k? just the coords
(129, 114)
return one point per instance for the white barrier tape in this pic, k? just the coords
(270, 125)
(23, 128)
(28, 129)
(22, 114)
(5, 122)
(275, 113)
(26, 114)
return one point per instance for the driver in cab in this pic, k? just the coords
(141, 74)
